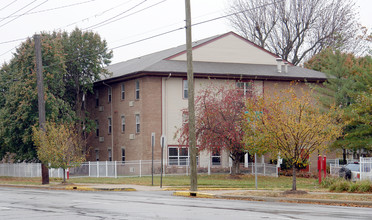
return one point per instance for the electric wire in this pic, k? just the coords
(24, 13)
(92, 26)
(56, 8)
(96, 15)
(153, 5)
(18, 10)
(7, 5)
(168, 32)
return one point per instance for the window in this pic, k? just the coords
(109, 125)
(109, 154)
(122, 123)
(97, 128)
(97, 97)
(109, 92)
(185, 117)
(185, 89)
(246, 87)
(138, 123)
(122, 154)
(179, 156)
(216, 158)
(97, 154)
(137, 89)
(122, 91)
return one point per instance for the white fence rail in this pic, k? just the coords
(365, 168)
(126, 169)
(26, 170)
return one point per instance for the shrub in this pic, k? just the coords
(328, 181)
(342, 186)
(365, 186)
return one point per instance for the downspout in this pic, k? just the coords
(112, 121)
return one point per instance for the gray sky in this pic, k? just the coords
(144, 18)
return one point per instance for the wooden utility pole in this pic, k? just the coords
(41, 103)
(190, 82)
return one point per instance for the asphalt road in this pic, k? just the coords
(20, 203)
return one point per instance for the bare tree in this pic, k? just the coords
(296, 29)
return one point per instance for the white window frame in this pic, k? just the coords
(123, 123)
(138, 123)
(122, 91)
(109, 154)
(137, 89)
(216, 155)
(185, 89)
(181, 160)
(109, 94)
(109, 123)
(123, 154)
(246, 87)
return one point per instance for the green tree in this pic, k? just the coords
(59, 146)
(71, 63)
(349, 82)
(86, 57)
(19, 111)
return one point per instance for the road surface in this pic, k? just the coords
(21, 203)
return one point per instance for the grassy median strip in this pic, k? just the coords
(209, 181)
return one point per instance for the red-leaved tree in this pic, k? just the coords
(218, 120)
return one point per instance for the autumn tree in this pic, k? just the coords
(59, 146)
(218, 122)
(296, 29)
(290, 123)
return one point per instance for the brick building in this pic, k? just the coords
(145, 95)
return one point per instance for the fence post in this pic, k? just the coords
(115, 169)
(97, 169)
(89, 168)
(264, 169)
(106, 169)
(140, 167)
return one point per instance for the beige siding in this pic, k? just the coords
(230, 49)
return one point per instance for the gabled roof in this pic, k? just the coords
(171, 61)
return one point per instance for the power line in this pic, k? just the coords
(56, 8)
(18, 10)
(167, 32)
(130, 14)
(116, 15)
(7, 5)
(96, 15)
(24, 13)
(15, 40)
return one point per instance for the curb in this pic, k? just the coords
(296, 200)
(76, 188)
(194, 194)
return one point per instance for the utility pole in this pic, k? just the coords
(190, 82)
(41, 103)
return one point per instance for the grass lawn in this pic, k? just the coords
(212, 181)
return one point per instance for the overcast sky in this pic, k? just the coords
(129, 21)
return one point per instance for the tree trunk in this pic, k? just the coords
(44, 174)
(235, 167)
(344, 155)
(294, 187)
(64, 175)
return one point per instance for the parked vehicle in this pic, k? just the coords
(350, 172)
